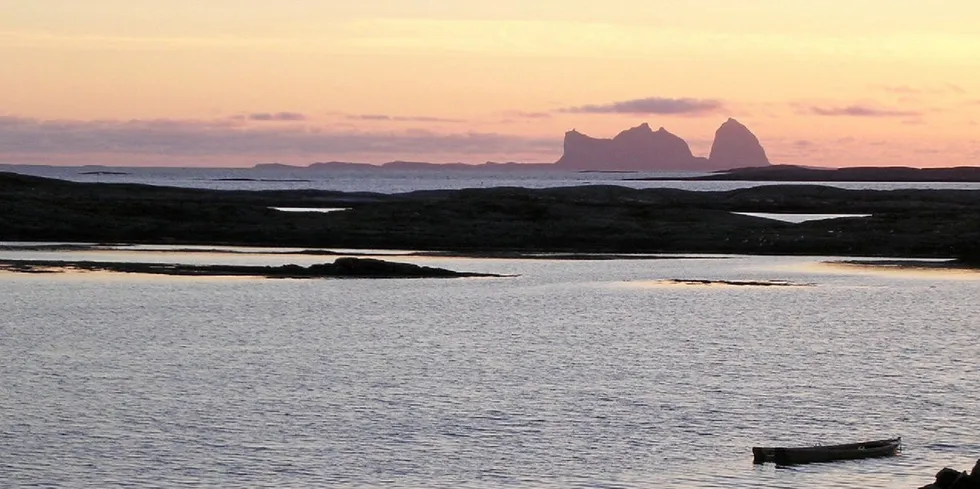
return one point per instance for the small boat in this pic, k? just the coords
(826, 453)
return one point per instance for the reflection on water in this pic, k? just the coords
(567, 376)
(310, 209)
(924, 269)
(798, 218)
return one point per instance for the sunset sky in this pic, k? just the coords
(239, 82)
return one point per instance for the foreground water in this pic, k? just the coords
(575, 374)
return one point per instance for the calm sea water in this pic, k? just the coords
(575, 374)
(396, 181)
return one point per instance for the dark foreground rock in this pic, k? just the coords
(948, 478)
(341, 268)
(590, 219)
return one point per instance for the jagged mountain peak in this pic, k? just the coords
(642, 128)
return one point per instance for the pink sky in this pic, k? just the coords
(239, 82)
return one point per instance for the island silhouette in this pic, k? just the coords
(636, 149)
(642, 149)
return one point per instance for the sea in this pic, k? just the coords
(646, 371)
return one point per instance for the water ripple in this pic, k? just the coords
(555, 380)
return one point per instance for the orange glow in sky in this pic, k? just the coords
(239, 82)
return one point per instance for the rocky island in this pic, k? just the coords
(736, 147)
(643, 149)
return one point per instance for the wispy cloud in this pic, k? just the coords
(862, 111)
(45, 39)
(369, 117)
(527, 115)
(902, 89)
(277, 117)
(651, 105)
(226, 137)
(399, 118)
(942, 88)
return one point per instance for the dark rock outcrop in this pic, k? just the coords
(736, 147)
(966, 481)
(643, 149)
(948, 478)
(347, 267)
(350, 267)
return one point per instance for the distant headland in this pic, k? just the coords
(794, 173)
(636, 149)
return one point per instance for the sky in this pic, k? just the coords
(240, 82)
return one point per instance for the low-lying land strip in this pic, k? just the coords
(340, 268)
(588, 219)
(794, 173)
